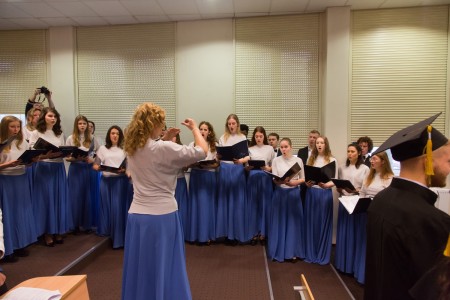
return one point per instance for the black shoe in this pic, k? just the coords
(21, 252)
(10, 258)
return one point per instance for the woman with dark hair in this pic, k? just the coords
(50, 182)
(114, 187)
(154, 258)
(201, 226)
(232, 194)
(354, 171)
(79, 183)
(15, 192)
(259, 187)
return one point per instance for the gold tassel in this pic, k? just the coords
(447, 248)
(429, 154)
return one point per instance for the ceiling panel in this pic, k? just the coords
(16, 14)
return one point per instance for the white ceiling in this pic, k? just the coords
(34, 14)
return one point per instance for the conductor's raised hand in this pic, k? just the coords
(170, 133)
(189, 123)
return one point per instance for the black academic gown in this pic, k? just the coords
(405, 236)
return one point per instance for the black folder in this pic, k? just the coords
(237, 151)
(256, 164)
(73, 151)
(289, 173)
(205, 164)
(27, 157)
(361, 206)
(118, 170)
(7, 142)
(42, 144)
(343, 184)
(323, 174)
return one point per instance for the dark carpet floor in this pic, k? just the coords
(215, 272)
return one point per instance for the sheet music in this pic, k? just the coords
(28, 293)
(349, 202)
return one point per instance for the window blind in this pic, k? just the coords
(399, 69)
(277, 74)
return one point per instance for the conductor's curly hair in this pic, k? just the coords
(146, 118)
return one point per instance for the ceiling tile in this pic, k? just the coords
(184, 17)
(31, 23)
(208, 7)
(121, 20)
(288, 6)
(400, 3)
(179, 7)
(251, 6)
(149, 8)
(10, 11)
(55, 22)
(39, 10)
(322, 5)
(364, 4)
(7, 25)
(150, 19)
(73, 9)
(90, 21)
(108, 8)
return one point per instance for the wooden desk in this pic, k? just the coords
(71, 287)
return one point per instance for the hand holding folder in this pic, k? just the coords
(344, 184)
(116, 170)
(30, 156)
(230, 153)
(323, 174)
(55, 151)
(256, 164)
(354, 204)
(205, 164)
(289, 173)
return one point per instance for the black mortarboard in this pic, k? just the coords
(412, 141)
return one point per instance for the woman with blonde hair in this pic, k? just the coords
(15, 192)
(380, 177)
(154, 258)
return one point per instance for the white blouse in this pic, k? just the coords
(281, 165)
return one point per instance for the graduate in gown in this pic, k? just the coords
(406, 233)
(154, 258)
(355, 171)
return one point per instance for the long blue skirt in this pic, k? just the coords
(286, 231)
(319, 225)
(154, 264)
(345, 241)
(50, 205)
(113, 208)
(95, 178)
(80, 196)
(182, 197)
(202, 206)
(359, 267)
(231, 200)
(18, 219)
(259, 199)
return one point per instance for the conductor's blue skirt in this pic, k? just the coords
(182, 197)
(286, 231)
(259, 199)
(114, 191)
(231, 200)
(50, 205)
(202, 206)
(318, 225)
(345, 241)
(359, 267)
(17, 208)
(80, 196)
(154, 260)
